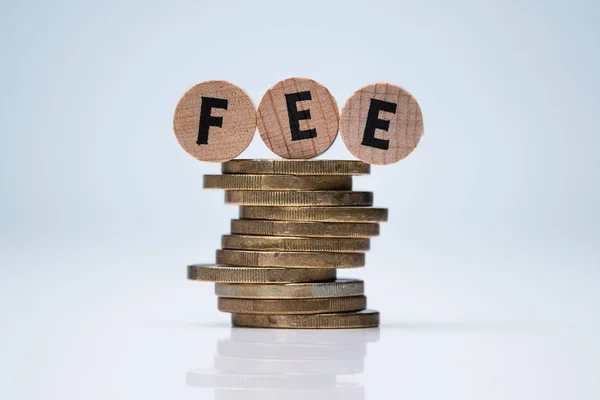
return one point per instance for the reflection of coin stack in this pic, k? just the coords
(287, 364)
(299, 222)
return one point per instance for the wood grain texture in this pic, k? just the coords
(405, 125)
(274, 119)
(224, 142)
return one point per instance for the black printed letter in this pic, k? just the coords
(295, 116)
(207, 120)
(373, 122)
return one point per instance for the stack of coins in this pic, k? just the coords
(299, 222)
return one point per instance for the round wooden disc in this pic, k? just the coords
(215, 121)
(298, 118)
(381, 124)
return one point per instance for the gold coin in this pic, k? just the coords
(278, 243)
(232, 274)
(293, 306)
(323, 214)
(296, 167)
(337, 288)
(290, 259)
(278, 182)
(303, 228)
(299, 198)
(360, 319)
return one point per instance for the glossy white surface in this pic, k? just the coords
(132, 327)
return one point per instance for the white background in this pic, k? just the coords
(486, 274)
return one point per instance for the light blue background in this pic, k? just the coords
(493, 218)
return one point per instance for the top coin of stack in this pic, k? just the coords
(299, 222)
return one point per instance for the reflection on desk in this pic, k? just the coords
(288, 364)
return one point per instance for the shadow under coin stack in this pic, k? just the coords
(299, 222)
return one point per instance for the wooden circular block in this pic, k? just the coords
(381, 124)
(298, 118)
(215, 121)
